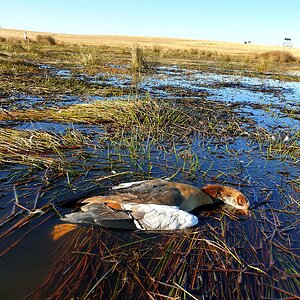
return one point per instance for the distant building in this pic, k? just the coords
(287, 42)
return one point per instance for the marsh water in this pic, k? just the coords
(269, 179)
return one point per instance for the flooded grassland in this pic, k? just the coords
(75, 120)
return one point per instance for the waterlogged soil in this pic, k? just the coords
(262, 160)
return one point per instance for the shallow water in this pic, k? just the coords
(172, 82)
(269, 182)
(27, 264)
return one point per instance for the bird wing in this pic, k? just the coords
(148, 191)
(147, 205)
(134, 216)
(103, 215)
(160, 217)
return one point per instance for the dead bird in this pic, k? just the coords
(151, 205)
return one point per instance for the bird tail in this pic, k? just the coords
(62, 229)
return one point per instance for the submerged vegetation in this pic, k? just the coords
(77, 119)
(207, 263)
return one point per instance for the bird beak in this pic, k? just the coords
(236, 211)
(243, 212)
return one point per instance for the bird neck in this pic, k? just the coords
(195, 199)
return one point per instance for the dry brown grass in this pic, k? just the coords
(154, 43)
(45, 39)
(278, 56)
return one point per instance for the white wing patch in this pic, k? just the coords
(126, 185)
(160, 217)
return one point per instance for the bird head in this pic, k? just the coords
(227, 195)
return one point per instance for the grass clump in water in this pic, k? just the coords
(38, 148)
(160, 120)
(138, 61)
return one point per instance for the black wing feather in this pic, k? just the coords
(100, 214)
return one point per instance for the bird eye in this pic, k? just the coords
(241, 200)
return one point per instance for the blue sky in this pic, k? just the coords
(260, 21)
